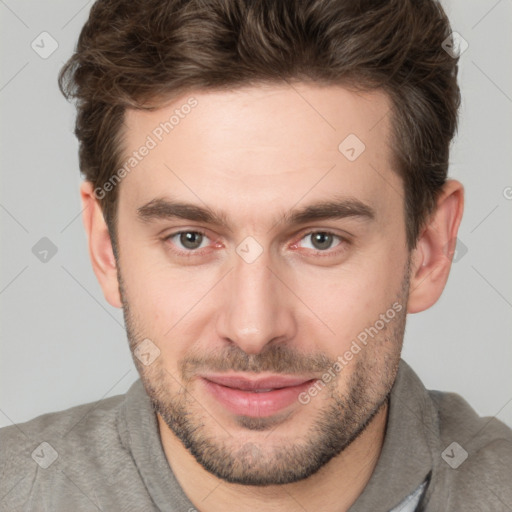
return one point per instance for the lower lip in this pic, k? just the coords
(256, 405)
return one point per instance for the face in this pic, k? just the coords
(264, 273)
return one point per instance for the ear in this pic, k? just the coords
(100, 245)
(433, 254)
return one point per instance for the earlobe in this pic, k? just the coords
(100, 245)
(432, 257)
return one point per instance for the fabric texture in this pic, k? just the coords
(438, 455)
(410, 503)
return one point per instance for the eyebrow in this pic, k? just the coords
(168, 209)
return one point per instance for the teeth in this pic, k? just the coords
(262, 390)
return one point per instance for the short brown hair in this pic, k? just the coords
(131, 52)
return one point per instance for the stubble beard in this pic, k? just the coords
(261, 457)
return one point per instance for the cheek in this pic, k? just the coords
(151, 282)
(350, 298)
(168, 305)
(164, 301)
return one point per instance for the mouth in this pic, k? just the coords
(256, 398)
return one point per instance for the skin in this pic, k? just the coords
(252, 156)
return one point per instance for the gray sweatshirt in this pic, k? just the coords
(438, 455)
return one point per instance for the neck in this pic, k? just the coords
(335, 487)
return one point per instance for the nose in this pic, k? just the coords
(254, 308)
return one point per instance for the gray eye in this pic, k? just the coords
(191, 239)
(321, 240)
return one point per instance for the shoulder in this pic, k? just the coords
(476, 453)
(63, 427)
(36, 453)
(458, 420)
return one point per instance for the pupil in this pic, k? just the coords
(191, 239)
(322, 240)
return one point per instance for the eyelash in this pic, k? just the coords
(329, 252)
(186, 253)
(317, 252)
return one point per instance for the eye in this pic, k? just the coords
(189, 240)
(320, 241)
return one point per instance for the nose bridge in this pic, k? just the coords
(254, 311)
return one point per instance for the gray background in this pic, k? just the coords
(62, 344)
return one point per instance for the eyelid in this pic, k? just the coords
(189, 252)
(343, 240)
(181, 230)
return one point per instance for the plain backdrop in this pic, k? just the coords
(63, 345)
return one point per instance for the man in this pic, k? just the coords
(266, 197)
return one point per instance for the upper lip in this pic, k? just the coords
(245, 384)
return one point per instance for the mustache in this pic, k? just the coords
(275, 359)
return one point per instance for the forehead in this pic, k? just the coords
(265, 145)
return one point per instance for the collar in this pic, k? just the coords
(404, 464)
(140, 435)
(407, 458)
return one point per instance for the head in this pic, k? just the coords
(266, 195)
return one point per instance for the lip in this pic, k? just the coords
(252, 397)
